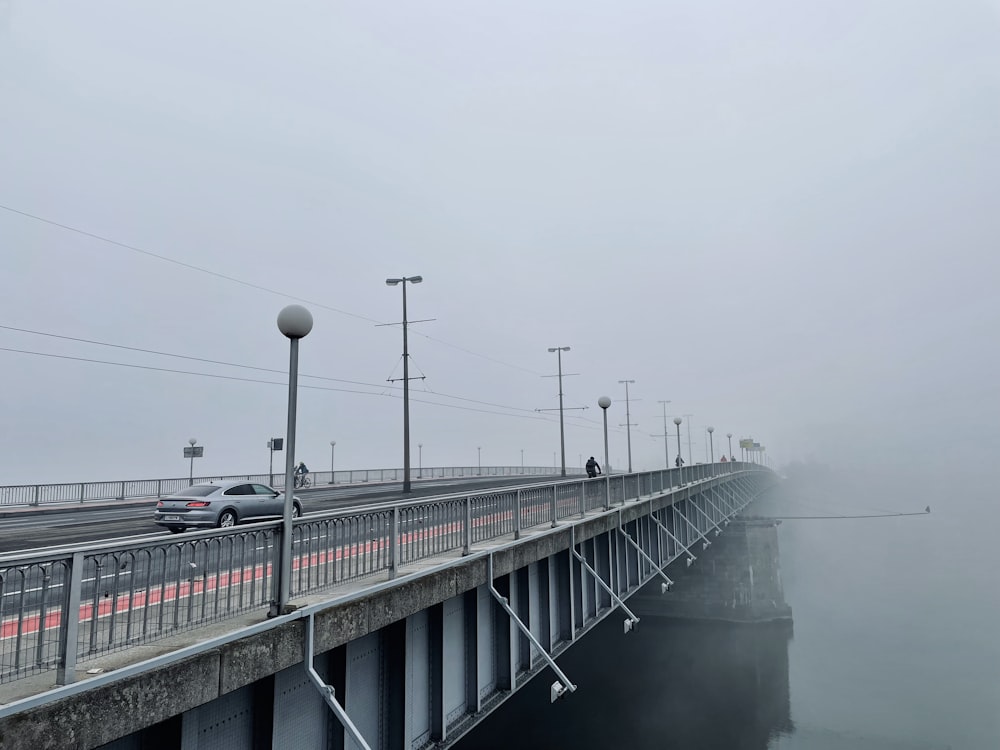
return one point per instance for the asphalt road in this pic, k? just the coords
(80, 523)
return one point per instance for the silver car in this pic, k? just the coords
(222, 505)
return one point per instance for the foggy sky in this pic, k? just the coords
(782, 217)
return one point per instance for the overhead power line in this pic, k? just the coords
(249, 284)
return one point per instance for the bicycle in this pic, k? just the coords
(302, 481)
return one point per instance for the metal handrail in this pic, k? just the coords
(124, 489)
(64, 604)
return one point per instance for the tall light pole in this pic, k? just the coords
(522, 460)
(295, 322)
(406, 380)
(562, 430)
(628, 424)
(479, 459)
(666, 446)
(192, 442)
(680, 461)
(604, 402)
(420, 460)
(729, 437)
(333, 446)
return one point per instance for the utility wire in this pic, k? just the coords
(270, 382)
(380, 386)
(251, 285)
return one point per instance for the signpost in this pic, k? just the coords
(195, 451)
(274, 444)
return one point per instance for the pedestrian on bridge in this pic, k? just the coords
(678, 462)
(593, 468)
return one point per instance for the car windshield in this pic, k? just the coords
(198, 490)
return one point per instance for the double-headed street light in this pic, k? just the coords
(628, 424)
(295, 322)
(406, 380)
(562, 429)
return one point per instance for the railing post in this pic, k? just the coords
(121, 491)
(467, 545)
(35, 500)
(394, 542)
(554, 514)
(83, 495)
(159, 488)
(583, 499)
(69, 627)
(607, 492)
(517, 515)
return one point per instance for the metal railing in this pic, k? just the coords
(60, 606)
(124, 489)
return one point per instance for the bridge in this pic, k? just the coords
(412, 621)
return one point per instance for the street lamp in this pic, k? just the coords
(604, 402)
(522, 460)
(711, 447)
(420, 460)
(729, 437)
(406, 381)
(295, 322)
(562, 429)
(680, 461)
(333, 446)
(628, 424)
(479, 459)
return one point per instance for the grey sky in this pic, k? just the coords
(782, 216)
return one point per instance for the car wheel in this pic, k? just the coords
(296, 510)
(176, 529)
(227, 519)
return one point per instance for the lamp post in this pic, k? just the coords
(406, 381)
(604, 402)
(729, 437)
(479, 459)
(333, 446)
(711, 447)
(522, 460)
(690, 457)
(628, 424)
(295, 322)
(562, 430)
(680, 461)
(420, 460)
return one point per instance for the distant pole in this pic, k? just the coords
(666, 443)
(522, 460)
(295, 322)
(192, 442)
(690, 459)
(479, 451)
(333, 447)
(420, 460)
(711, 448)
(562, 429)
(729, 437)
(406, 380)
(628, 424)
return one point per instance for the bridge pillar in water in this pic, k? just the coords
(737, 579)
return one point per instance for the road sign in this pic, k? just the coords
(196, 452)
(276, 444)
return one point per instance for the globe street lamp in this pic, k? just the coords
(729, 437)
(604, 402)
(295, 322)
(406, 380)
(680, 461)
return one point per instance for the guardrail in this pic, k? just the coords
(123, 489)
(61, 606)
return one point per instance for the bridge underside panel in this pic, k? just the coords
(363, 688)
(224, 724)
(454, 659)
(418, 681)
(486, 650)
(300, 715)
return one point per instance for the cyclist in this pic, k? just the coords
(301, 472)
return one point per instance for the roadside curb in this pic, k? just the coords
(44, 510)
